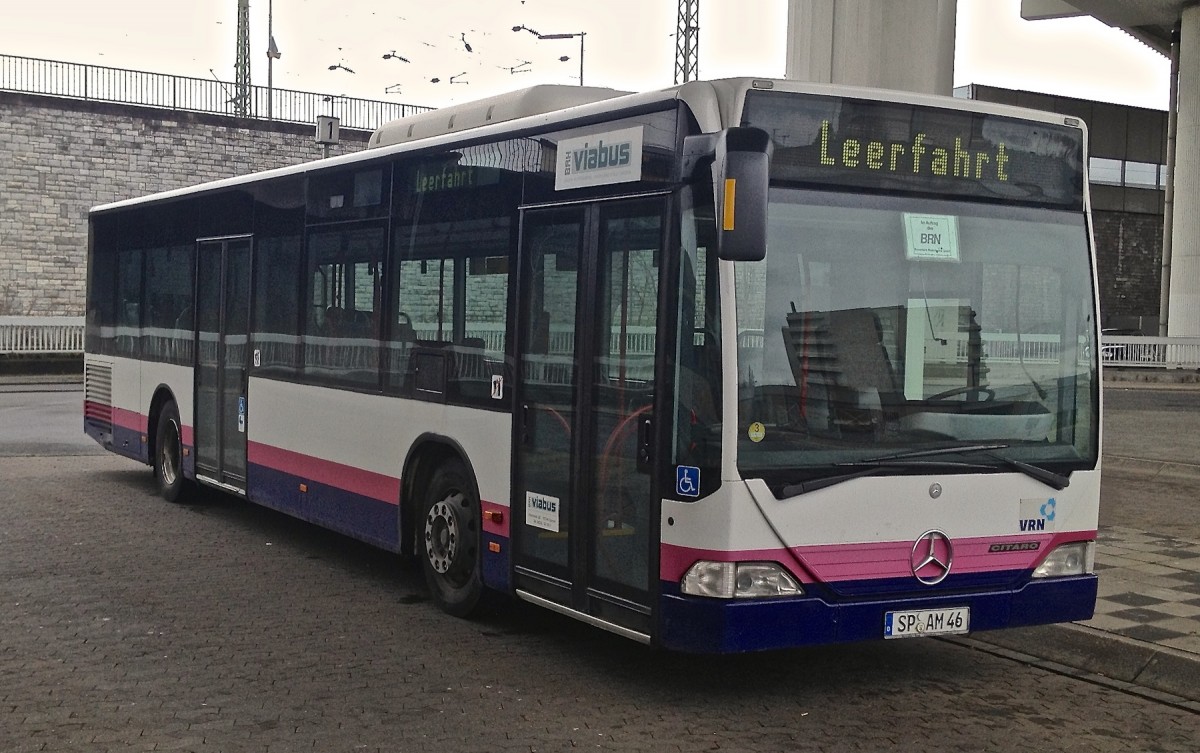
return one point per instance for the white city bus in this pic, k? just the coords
(735, 365)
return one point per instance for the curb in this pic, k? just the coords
(1156, 468)
(1163, 378)
(1107, 655)
(39, 380)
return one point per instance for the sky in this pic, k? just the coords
(629, 45)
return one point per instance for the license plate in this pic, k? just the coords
(919, 623)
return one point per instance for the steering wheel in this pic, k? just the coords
(988, 393)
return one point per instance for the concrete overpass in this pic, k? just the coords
(909, 45)
(1172, 27)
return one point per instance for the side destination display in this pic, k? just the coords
(910, 148)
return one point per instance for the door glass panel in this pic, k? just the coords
(234, 345)
(622, 384)
(548, 363)
(208, 324)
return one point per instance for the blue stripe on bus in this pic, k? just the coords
(127, 442)
(700, 625)
(361, 517)
(355, 515)
(495, 562)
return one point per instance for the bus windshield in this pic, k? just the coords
(879, 324)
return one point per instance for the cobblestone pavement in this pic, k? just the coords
(130, 624)
(1150, 588)
(1146, 630)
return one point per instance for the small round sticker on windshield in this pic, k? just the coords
(756, 432)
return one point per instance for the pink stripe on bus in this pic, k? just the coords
(128, 419)
(355, 480)
(889, 559)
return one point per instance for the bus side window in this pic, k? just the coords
(342, 341)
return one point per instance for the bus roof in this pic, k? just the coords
(715, 104)
(501, 108)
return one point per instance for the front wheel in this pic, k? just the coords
(168, 454)
(450, 536)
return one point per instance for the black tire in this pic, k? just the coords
(449, 531)
(168, 455)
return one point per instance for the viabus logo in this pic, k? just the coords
(599, 157)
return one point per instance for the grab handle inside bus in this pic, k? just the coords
(741, 160)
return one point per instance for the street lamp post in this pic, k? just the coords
(272, 56)
(580, 34)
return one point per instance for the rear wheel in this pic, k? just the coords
(168, 454)
(450, 536)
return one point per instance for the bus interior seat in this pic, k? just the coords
(863, 359)
(405, 331)
(841, 367)
(470, 370)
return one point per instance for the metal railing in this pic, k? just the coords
(41, 335)
(1151, 352)
(102, 84)
(63, 335)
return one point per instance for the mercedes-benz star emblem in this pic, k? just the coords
(932, 555)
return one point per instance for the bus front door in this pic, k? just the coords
(584, 519)
(222, 324)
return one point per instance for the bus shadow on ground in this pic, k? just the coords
(516, 629)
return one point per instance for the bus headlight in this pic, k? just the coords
(738, 580)
(1069, 559)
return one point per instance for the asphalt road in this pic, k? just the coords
(127, 623)
(1151, 424)
(43, 420)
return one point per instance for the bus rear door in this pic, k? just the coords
(222, 321)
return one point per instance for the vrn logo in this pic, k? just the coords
(1045, 515)
(599, 156)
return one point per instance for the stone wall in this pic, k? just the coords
(60, 157)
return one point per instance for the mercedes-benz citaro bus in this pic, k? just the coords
(731, 366)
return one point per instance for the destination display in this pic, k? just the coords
(444, 176)
(903, 147)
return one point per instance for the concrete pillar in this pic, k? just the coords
(898, 44)
(1183, 317)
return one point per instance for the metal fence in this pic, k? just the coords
(1151, 352)
(102, 84)
(41, 335)
(59, 335)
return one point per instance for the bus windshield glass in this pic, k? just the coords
(880, 324)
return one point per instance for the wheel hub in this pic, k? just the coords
(169, 455)
(442, 536)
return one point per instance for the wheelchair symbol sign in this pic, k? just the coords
(687, 481)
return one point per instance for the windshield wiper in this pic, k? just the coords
(1049, 478)
(871, 468)
(935, 451)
